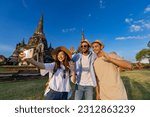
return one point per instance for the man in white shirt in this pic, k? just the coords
(84, 70)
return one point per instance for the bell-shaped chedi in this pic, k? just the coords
(38, 36)
(42, 53)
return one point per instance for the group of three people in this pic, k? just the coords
(87, 70)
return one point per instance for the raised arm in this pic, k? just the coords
(32, 61)
(35, 63)
(121, 63)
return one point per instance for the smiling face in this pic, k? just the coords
(61, 56)
(96, 47)
(84, 47)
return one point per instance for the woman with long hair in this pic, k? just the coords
(58, 85)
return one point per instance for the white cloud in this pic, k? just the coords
(7, 48)
(128, 20)
(101, 4)
(147, 9)
(145, 60)
(68, 30)
(147, 25)
(135, 28)
(138, 25)
(139, 21)
(133, 37)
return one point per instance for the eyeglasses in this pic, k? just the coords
(84, 46)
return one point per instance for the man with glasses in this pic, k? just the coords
(85, 76)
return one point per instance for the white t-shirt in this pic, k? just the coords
(86, 79)
(57, 81)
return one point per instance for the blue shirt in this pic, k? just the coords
(77, 59)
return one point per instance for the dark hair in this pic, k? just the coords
(65, 63)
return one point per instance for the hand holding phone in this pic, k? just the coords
(28, 53)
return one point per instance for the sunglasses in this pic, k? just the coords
(84, 46)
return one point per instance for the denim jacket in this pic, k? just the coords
(77, 59)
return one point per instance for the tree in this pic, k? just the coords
(144, 53)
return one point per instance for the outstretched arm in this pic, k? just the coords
(37, 64)
(120, 63)
(32, 61)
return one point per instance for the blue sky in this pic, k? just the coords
(122, 25)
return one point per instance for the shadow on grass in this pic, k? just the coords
(136, 90)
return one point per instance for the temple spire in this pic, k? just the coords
(82, 38)
(39, 29)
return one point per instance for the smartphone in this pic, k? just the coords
(28, 53)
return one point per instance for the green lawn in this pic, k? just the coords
(137, 84)
(22, 89)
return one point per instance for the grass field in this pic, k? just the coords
(137, 84)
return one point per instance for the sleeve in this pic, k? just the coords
(48, 68)
(43, 72)
(115, 56)
(74, 57)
